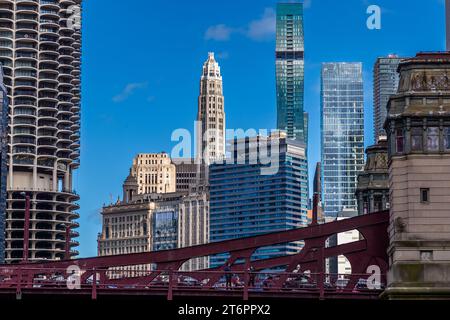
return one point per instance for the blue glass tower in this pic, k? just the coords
(3, 165)
(290, 71)
(342, 134)
(244, 202)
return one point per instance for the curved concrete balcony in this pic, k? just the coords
(6, 9)
(52, 64)
(49, 5)
(27, 19)
(66, 3)
(49, 98)
(7, 21)
(28, 2)
(6, 44)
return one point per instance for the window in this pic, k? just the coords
(416, 139)
(400, 141)
(425, 195)
(447, 138)
(433, 139)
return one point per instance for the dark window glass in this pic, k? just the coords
(400, 141)
(425, 195)
(447, 138)
(417, 139)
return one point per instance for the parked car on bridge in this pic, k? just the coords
(300, 282)
(361, 286)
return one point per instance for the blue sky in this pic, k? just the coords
(142, 61)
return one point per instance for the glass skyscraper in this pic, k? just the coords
(385, 84)
(290, 71)
(342, 134)
(244, 202)
(3, 159)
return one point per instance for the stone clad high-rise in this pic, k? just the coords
(290, 66)
(211, 114)
(342, 134)
(40, 49)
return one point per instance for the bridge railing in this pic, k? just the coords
(169, 282)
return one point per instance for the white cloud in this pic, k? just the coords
(218, 32)
(260, 29)
(223, 55)
(264, 27)
(129, 90)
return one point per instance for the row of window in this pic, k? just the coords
(423, 140)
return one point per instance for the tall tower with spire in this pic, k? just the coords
(211, 114)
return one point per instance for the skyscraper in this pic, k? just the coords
(3, 158)
(244, 202)
(211, 113)
(342, 134)
(290, 71)
(385, 84)
(40, 50)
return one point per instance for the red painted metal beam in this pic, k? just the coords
(321, 231)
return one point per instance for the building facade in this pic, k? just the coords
(211, 114)
(342, 134)
(246, 200)
(385, 84)
(418, 128)
(372, 191)
(290, 65)
(154, 222)
(165, 226)
(40, 51)
(141, 225)
(154, 172)
(126, 228)
(193, 225)
(4, 104)
(186, 174)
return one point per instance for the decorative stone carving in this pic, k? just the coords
(423, 81)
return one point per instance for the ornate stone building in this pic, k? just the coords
(418, 128)
(155, 221)
(154, 173)
(372, 191)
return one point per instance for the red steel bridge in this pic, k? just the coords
(303, 274)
